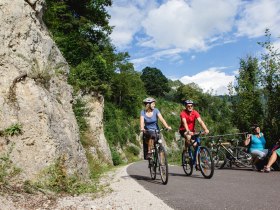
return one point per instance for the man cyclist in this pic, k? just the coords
(188, 118)
(149, 123)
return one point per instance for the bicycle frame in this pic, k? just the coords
(198, 156)
(159, 159)
(229, 153)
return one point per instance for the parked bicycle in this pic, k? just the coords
(228, 154)
(199, 157)
(159, 159)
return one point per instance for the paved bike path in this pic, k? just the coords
(228, 188)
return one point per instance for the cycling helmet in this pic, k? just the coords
(149, 100)
(188, 102)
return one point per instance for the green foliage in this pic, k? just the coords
(80, 29)
(7, 169)
(247, 103)
(55, 178)
(128, 91)
(119, 126)
(133, 150)
(80, 111)
(155, 82)
(116, 157)
(14, 129)
(271, 82)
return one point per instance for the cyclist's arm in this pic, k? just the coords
(203, 125)
(163, 121)
(186, 126)
(247, 140)
(142, 123)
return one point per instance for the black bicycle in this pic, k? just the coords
(226, 154)
(159, 159)
(199, 157)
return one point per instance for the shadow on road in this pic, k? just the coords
(236, 169)
(145, 178)
(184, 175)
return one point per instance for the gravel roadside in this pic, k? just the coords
(122, 192)
(126, 194)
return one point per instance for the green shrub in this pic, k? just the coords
(55, 178)
(116, 157)
(7, 168)
(14, 129)
(133, 150)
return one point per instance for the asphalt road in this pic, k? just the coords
(227, 189)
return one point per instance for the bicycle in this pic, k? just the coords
(159, 159)
(225, 153)
(198, 155)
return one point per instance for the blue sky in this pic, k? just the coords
(198, 41)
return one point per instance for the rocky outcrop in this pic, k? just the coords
(34, 92)
(100, 149)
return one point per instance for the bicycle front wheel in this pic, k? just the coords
(187, 163)
(205, 162)
(153, 167)
(163, 164)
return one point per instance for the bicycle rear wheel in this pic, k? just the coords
(187, 163)
(205, 162)
(244, 159)
(153, 167)
(219, 158)
(163, 164)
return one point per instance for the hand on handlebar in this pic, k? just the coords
(168, 128)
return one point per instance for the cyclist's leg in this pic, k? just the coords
(195, 145)
(151, 140)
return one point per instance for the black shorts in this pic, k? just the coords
(182, 134)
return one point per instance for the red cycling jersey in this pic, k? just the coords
(190, 118)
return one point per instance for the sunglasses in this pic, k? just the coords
(189, 105)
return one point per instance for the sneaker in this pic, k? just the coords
(266, 169)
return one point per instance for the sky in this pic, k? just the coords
(200, 41)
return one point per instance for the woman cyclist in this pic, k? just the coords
(149, 123)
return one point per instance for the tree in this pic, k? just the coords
(127, 87)
(155, 82)
(247, 105)
(271, 83)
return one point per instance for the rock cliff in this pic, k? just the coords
(34, 93)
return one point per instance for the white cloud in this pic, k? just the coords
(211, 79)
(189, 24)
(172, 55)
(258, 15)
(126, 16)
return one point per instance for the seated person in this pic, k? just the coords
(273, 158)
(256, 142)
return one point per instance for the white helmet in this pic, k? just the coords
(149, 100)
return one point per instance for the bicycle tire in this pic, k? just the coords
(153, 167)
(163, 164)
(205, 162)
(219, 158)
(187, 163)
(244, 158)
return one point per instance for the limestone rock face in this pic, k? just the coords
(95, 106)
(34, 92)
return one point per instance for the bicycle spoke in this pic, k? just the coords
(206, 163)
(187, 163)
(163, 165)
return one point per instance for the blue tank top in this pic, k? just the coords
(151, 123)
(257, 143)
